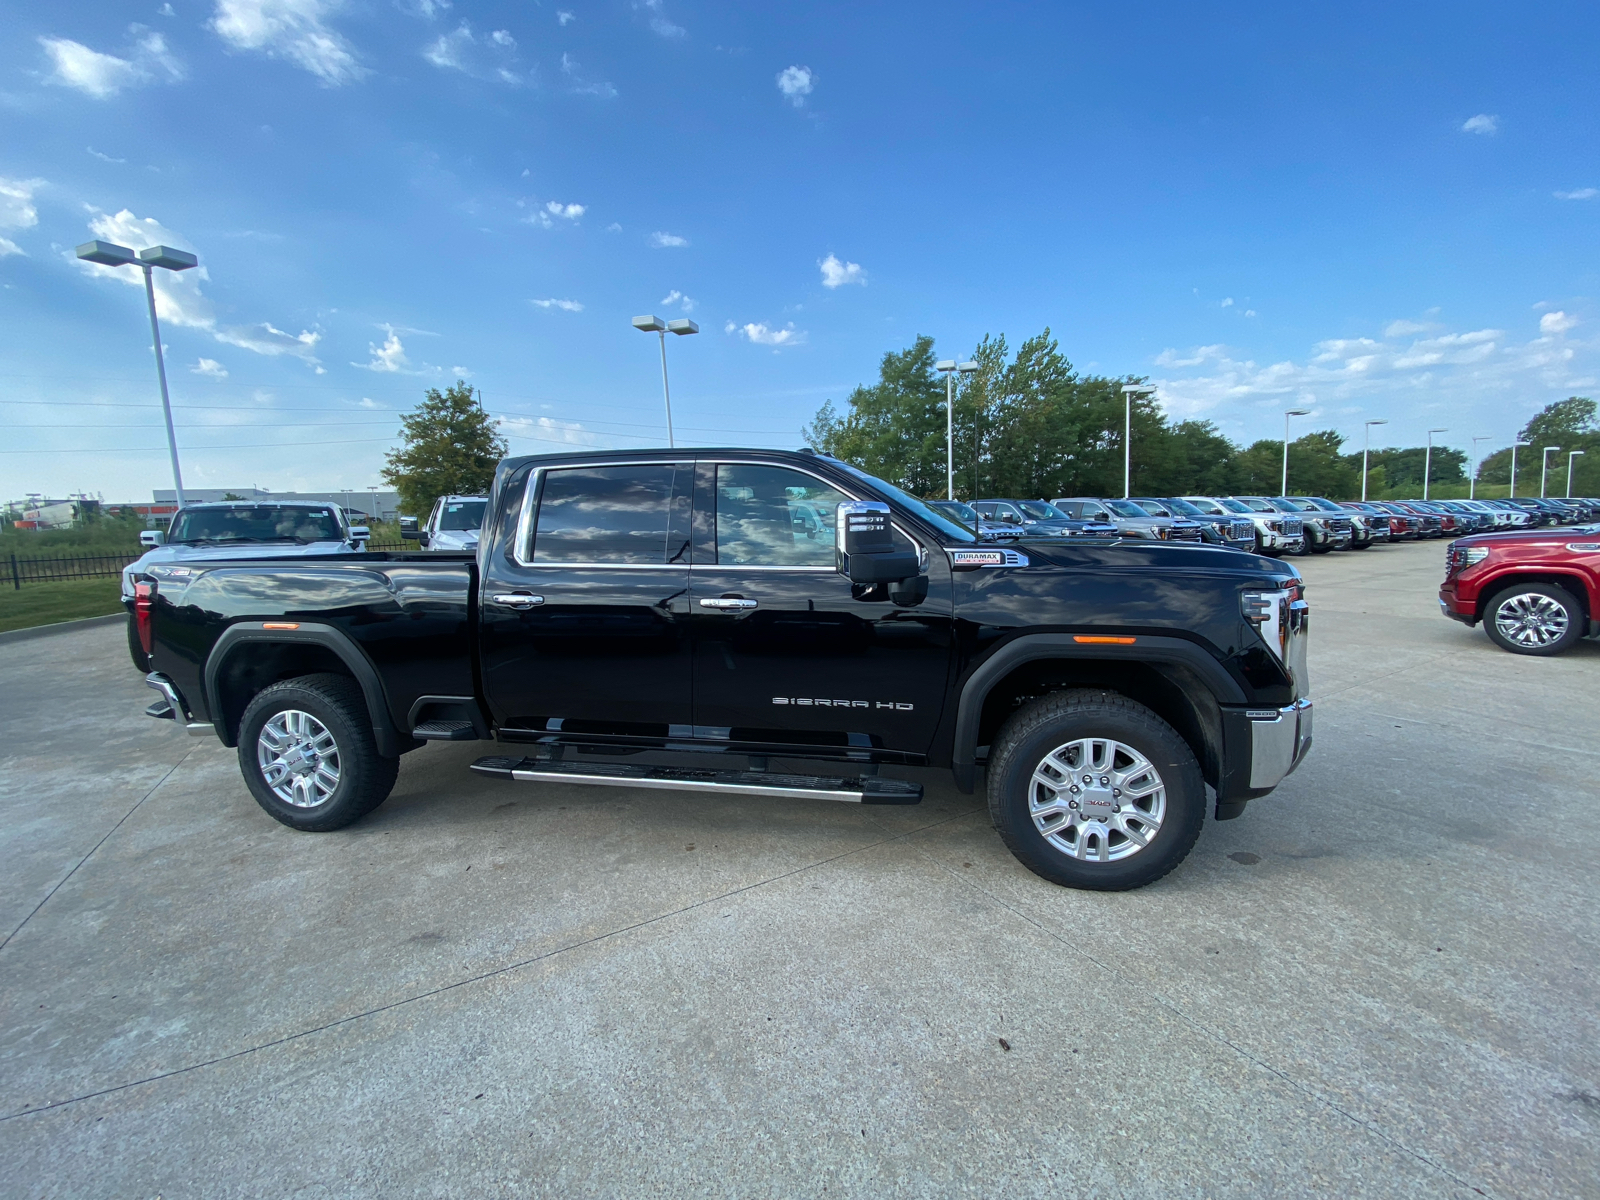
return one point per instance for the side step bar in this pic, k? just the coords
(866, 790)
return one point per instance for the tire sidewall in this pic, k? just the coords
(345, 804)
(1575, 619)
(1012, 770)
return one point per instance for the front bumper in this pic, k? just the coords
(1279, 741)
(1453, 606)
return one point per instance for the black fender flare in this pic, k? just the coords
(390, 741)
(1034, 646)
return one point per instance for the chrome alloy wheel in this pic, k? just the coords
(299, 758)
(1097, 800)
(1531, 619)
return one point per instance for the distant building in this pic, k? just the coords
(377, 505)
(37, 512)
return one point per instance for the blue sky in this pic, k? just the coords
(1375, 211)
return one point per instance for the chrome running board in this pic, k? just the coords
(865, 790)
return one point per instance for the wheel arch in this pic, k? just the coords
(1176, 679)
(1568, 581)
(248, 658)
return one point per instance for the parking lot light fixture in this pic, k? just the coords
(1513, 492)
(1293, 412)
(1366, 446)
(950, 368)
(682, 327)
(109, 254)
(1129, 391)
(1472, 480)
(1544, 467)
(1427, 462)
(1571, 454)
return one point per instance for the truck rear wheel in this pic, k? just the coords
(307, 753)
(1092, 790)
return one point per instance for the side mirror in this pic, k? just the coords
(151, 538)
(1010, 518)
(408, 528)
(360, 533)
(865, 545)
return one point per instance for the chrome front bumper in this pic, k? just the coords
(1279, 740)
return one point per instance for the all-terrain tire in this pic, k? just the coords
(1042, 737)
(338, 733)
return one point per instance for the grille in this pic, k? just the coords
(1292, 527)
(1339, 524)
(1181, 534)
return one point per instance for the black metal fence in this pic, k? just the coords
(49, 570)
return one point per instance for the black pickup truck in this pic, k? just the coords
(722, 609)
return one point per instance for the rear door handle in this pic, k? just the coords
(518, 600)
(727, 603)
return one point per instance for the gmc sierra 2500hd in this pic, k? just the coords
(692, 602)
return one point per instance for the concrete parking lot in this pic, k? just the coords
(1379, 982)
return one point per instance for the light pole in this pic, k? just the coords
(950, 368)
(1571, 454)
(108, 254)
(1544, 468)
(1427, 462)
(682, 327)
(1293, 412)
(1129, 391)
(1512, 493)
(1365, 447)
(1472, 481)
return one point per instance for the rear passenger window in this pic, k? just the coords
(604, 515)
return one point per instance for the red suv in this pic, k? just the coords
(1536, 592)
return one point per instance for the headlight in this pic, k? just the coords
(1274, 526)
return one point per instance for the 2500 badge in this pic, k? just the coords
(896, 705)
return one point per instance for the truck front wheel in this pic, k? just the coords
(307, 753)
(1533, 618)
(1092, 790)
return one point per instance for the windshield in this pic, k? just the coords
(462, 514)
(1255, 505)
(1125, 508)
(1040, 511)
(953, 530)
(1183, 508)
(1151, 507)
(1326, 505)
(255, 523)
(1233, 505)
(1292, 505)
(966, 514)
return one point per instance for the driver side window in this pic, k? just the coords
(774, 517)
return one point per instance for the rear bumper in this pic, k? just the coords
(1280, 739)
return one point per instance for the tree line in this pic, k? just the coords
(1030, 425)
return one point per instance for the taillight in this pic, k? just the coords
(144, 599)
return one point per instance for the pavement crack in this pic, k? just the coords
(60, 883)
(1205, 1030)
(508, 969)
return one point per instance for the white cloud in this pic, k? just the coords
(1228, 302)
(662, 241)
(567, 212)
(1483, 377)
(17, 210)
(104, 75)
(796, 83)
(1249, 312)
(764, 335)
(389, 358)
(369, 402)
(166, 10)
(210, 368)
(550, 429)
(296, 30)
(573, 70)
(179, 300)
(614, 227)
(566, 18)
(563, 305)
(103, 157)
(677, 297)
(837, 274)
(1483, 123)
(489, 58)
(1579, 194)
(1405, 328)
(659, 22)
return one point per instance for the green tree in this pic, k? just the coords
(1403, 468)
(451, 446)
(894, 428)
(1570, 424)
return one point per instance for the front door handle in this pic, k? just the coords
(728, 603)
(518, 600)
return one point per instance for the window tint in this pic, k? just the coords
(604, 515)
(462, 514)
(774, 517)
(257, 523)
